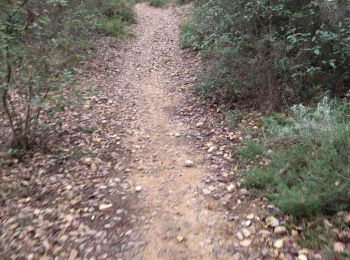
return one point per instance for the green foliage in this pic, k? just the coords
(108, 26)
(40, 43)
(283, 51)
(309, 171)
(157, 3)
(232, 118)
(251, 150)
(114, 15)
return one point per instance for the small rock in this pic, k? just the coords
(231, 187)
(278, 243)
(245, 243)
(250, 216)
(96, 140)
(88, 160)
(114, 155)
(280, 230)
(272, 221)
(177, 134)
(105, 206)
(180, 238)
(246, 232)
(248, 223)
(200, 124)
(211, 149)
(120, 211)
(189, 163)
(93, 167)
(138, 188)
(302, 257)
(295, 233)
(129, 232)
(239, 235)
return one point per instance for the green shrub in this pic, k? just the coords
(157, 3)
(271, 52)
(111, 26)
(309, 171)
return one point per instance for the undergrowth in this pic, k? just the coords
(157, 3)
(309, 169)
(270, 54)
(114, 16)
(41, 43)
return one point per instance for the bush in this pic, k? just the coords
(114, 15)
(40, 43)
(157, 3)
(309, 171)
(284, 51)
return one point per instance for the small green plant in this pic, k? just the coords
(232, 119)
(114, 15)
(111, 26)
(157, 3)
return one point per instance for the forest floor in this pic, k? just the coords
(143, 169)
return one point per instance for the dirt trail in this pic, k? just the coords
(180, 227)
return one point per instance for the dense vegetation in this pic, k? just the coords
(309, 169)
(40, 44)
(285, 51)
(270, 55)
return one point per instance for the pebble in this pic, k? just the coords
(280, 230)
(250, 216)
(247, 223)
(302, 257)
(239, 235)
(295, 233)
(93, 167)
(211, 149)
(129, 232)
(231, 187)
(96, 140)
(180, 238)
(105, 206)
(272, 221)
(138, 188)
(114, 155)
(189, 163)
(278, 243)
(246, 232)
